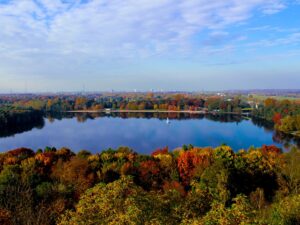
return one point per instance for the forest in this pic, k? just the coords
(189, 185)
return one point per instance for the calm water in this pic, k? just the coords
(96, 133)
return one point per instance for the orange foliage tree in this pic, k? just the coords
(149, 174)
(189, 162)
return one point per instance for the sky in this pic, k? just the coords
(184, 45)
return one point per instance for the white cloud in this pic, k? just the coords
(290, 39)
(274, 8)
(116, 28)
(268, 28)
(45, 40)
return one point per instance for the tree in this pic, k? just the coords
(291, 170)
(5, 217)
(286, 212)
(277, 118)
(186, 166)
(80, 103)
(239, 213)
(75, 172)
(120, 202)
(17, 199)
(270, 102)
(149, 174)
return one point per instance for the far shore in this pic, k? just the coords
(135, 111)
(151, 111)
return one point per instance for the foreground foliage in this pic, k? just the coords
(189, 185)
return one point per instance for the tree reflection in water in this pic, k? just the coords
(25, 122)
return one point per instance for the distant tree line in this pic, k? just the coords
(174, 102)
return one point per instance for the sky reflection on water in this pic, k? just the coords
(142, 134)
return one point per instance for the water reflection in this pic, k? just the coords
(141, 131)
(17, 124)
(83, 117)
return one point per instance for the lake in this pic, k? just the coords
(141, 131)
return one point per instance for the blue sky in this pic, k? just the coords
(65, 45)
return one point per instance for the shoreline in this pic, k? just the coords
(135, 111)
(152, 111)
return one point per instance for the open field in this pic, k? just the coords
(263, 97)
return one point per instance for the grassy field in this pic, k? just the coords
(263, 97)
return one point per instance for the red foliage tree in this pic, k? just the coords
(174, 185)
(160, 151)
(149, 174)
(191, 161)
(277, 118)
(186, 166)
(21, 152)
(271, 149)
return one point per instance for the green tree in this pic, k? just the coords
(119, 202)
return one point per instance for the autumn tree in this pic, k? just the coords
(75, 172)
(120, 202)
